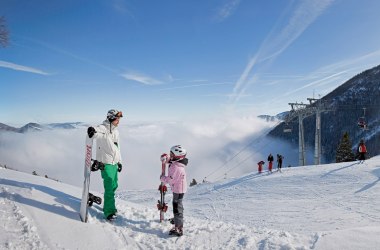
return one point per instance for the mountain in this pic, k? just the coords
(270, 118)
(66, 125)
(4, 127)
(31, 127)
(358, 98)
(288, 210)
(35, 127)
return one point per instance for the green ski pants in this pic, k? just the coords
(109, 175)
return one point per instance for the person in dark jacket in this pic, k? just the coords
(270, 160)
(279, 162)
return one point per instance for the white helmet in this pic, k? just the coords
(113, 114)
(178, 151)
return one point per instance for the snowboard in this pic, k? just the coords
(161, 205)
(87, 198)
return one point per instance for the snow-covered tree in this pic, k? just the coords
(344, 151)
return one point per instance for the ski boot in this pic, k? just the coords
(176, 231)
(111, 217)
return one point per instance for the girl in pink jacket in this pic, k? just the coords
(176, 178)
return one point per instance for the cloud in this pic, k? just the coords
(199, 80)
(197, 85)
(301, 18)
(67, 53)
(337, 73)
(22, 68)
(227, 10)
(318, 82)
(141, 78)
(224, 95)
(279, 39)
(120, 6)
(59, 154)
(321, 81)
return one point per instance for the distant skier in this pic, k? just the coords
(193, 183)
(270, 162)
(260, 166)
(362, 150)
(176, 178)
(108, 153)
(279, 162)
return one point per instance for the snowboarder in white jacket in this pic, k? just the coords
(108, 153)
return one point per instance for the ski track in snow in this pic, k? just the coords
(145, 228)
(17, 230)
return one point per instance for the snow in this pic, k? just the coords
(333, 206)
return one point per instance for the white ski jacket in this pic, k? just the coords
(107, 143)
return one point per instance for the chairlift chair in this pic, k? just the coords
(362, 123)
(287, 128)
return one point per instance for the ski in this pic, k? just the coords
(161, 205)
(87, 198)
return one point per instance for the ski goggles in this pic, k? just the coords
(119, 114)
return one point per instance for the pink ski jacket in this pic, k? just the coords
(176, 177)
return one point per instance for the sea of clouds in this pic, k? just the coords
(219, 148)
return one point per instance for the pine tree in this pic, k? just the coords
(344, 152)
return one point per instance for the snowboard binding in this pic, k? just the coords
(92, 198)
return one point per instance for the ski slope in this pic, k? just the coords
(333, 206)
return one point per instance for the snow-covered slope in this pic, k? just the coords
(332, 206)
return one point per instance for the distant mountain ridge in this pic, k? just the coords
(33, 127)
(356, 98)
(271, 118)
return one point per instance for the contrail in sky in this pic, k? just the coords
(279, 40)
(22, 68)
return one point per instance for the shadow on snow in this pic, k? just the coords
(60, 197)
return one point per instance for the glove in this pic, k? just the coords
(91, 131)
(164, 158)
(97, 165)
(119, 167)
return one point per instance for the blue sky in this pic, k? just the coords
(177, 60)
